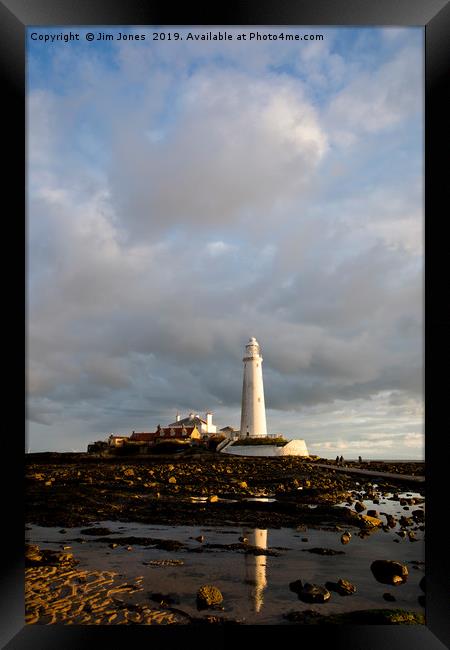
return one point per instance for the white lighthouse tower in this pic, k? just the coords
(253, 413)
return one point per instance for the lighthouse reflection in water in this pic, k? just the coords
(255, 566)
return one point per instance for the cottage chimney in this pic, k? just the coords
(177, 419)
(191, 416)
(208, 421)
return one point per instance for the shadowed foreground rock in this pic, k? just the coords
(389, 572)
(359, 617)
(310, 593)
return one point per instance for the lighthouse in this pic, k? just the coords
(253, 413)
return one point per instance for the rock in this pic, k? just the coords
(209, 596)
(359, 617)
(213, 498)
(33, 553)
(389, 572)
(346, 588)
(412, 536)
(310, 593)
(342, 587)
(391, 521)
(244, 540)
(345, 537)
(63, 530)
(389, 597)
(113, 545)
(371, 521)
(372, 513)
(172, 479)
(359, 507)
(305, 617)
(406, 521)
(200, 538)
(418, 515)
(96, 531)
(322, 551)
(243, 485)
(305, 539)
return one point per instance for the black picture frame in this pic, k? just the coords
(434, 16)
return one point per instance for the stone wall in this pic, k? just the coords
(292, 448)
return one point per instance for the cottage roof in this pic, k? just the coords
(189, 421)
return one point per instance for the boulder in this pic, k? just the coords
(310, 593)
(371, 521)
(213, 498)
(391, 521)
(389, 572)
(359, 507)
(345, 587)
(342, 587)
(372, 513)
(345, 537)
(389, 597)
(209, 596)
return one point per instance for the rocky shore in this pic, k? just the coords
(76, 489)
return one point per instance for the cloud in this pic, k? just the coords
(237, 144)
(371, 103)
(179, 204)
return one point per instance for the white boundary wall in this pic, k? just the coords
(293, 448)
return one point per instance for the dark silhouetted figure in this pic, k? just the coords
(337, 460)
(359, 460)
(341, 460)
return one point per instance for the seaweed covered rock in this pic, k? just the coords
(209, 596)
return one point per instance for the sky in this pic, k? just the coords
(183, 196)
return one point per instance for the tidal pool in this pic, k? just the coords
(255, 587)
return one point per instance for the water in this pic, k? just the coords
(255, 588)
